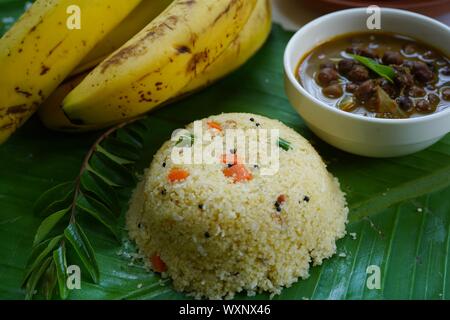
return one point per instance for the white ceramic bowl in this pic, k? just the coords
(358, 134)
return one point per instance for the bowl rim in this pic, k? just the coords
(291, 76)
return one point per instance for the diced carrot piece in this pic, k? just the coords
(238, 172)
(281, 199)
(177, 175)
(230, 159)
(214, 125)
(157, 264)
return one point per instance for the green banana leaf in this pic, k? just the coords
(399, 208)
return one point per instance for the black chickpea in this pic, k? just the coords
(446, 94)
(345, 65)
(333, 91)
(416, 91)
(326, 76)
(351, 87)
(392, 57)
(405, 103)
(358, 73)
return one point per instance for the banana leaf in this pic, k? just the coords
(399, 220)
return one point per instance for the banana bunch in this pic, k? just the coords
(133, 57)
(43, 48)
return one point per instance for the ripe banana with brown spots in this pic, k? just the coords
(246, 44)
(156, 64)
(249, 41)
(41, 49)
(141, 16)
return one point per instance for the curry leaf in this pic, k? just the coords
(111, 171)
(77, 238)
(54, 199)
(99, 211)
(113, 157)
(35, 252)
(48, 224)
(99, 189)
(40, 254)
(138, 129)
(59, 257)
(49, 281)
(121, 149)
(101, 176)
(35, 277)
(130, 137)
(382, 70)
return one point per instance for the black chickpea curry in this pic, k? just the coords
(378, 75)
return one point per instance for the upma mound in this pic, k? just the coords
(218, 229)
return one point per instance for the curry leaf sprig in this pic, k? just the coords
(109, 164)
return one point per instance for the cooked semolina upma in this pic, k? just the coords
(248, 220)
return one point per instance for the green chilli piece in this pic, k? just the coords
(284, 144)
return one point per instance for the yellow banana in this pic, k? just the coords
(40, 50)
(51, 114)
(251, 38)
(159, 61)
(50, 111)
(141, 16)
